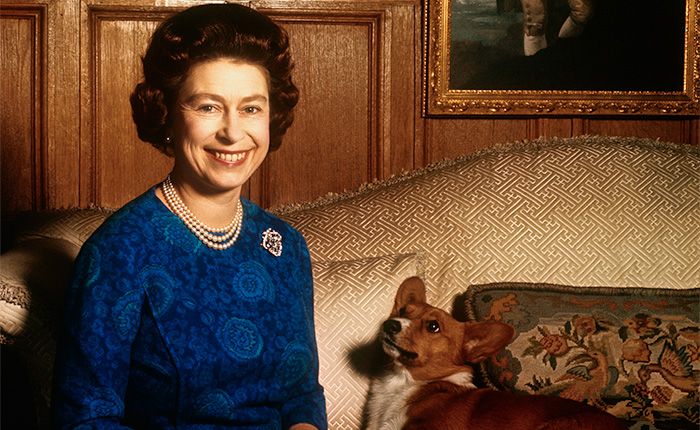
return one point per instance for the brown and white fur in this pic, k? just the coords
(429, 385)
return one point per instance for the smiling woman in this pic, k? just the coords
(191, 306)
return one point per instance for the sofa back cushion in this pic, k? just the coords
(619, 212)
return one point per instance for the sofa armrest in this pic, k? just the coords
(35, 274)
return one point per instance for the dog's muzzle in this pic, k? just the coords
(390, 329)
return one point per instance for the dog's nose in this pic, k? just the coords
(391, 327)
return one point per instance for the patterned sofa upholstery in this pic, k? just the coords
(588, 246)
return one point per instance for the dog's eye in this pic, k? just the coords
(433, 326)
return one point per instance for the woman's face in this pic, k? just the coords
(221, 125)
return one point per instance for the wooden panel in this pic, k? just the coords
(449, 138)
(357, 116)
(22, 134)
(693, 128)
(120, 166)
(550, 127)
(671, 130)
(406, 130)
(333, 142)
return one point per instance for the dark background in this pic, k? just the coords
(627, 46)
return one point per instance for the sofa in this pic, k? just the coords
(588, 246)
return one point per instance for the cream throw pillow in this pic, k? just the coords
(352, 299)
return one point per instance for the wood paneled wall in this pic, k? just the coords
(69, 66)
(22, 114)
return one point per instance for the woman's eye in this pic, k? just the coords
(207, 108)
(433, 326)
(251, 110)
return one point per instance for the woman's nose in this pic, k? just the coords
(232, 128)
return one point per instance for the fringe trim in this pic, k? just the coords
(503, 148)
(15, 295)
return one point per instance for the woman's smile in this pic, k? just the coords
(229, 158)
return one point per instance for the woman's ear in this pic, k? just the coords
(411, 291)
(485, 339)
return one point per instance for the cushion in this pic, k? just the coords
(633, 352)
(352, 299)
(590, 210)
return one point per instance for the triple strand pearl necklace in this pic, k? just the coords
(215, 238)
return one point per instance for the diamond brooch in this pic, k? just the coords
(272, 242)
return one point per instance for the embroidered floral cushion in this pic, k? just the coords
(633, 352)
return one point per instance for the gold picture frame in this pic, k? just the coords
(460, 81)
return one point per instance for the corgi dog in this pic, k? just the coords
(429, 383)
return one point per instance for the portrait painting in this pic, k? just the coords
(561, 57)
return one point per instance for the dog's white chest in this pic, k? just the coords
(387, 401)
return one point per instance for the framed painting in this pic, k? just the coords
(561, 57)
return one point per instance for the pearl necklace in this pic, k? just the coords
(215, 238)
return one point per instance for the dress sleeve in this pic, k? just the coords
(102, 314)
(309, 404)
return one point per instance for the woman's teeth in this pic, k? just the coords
(231, 158)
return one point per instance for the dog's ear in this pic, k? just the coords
(485, 339)
(411, 291)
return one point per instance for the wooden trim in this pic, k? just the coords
(36, 15)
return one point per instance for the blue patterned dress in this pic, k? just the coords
(163, 332)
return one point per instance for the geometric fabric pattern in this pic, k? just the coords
(72, 225)
(352, 299)
(580, 211)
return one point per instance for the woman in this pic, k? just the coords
(192, 307)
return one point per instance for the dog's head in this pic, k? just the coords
(431, 344)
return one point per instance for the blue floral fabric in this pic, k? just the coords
(163, 332)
